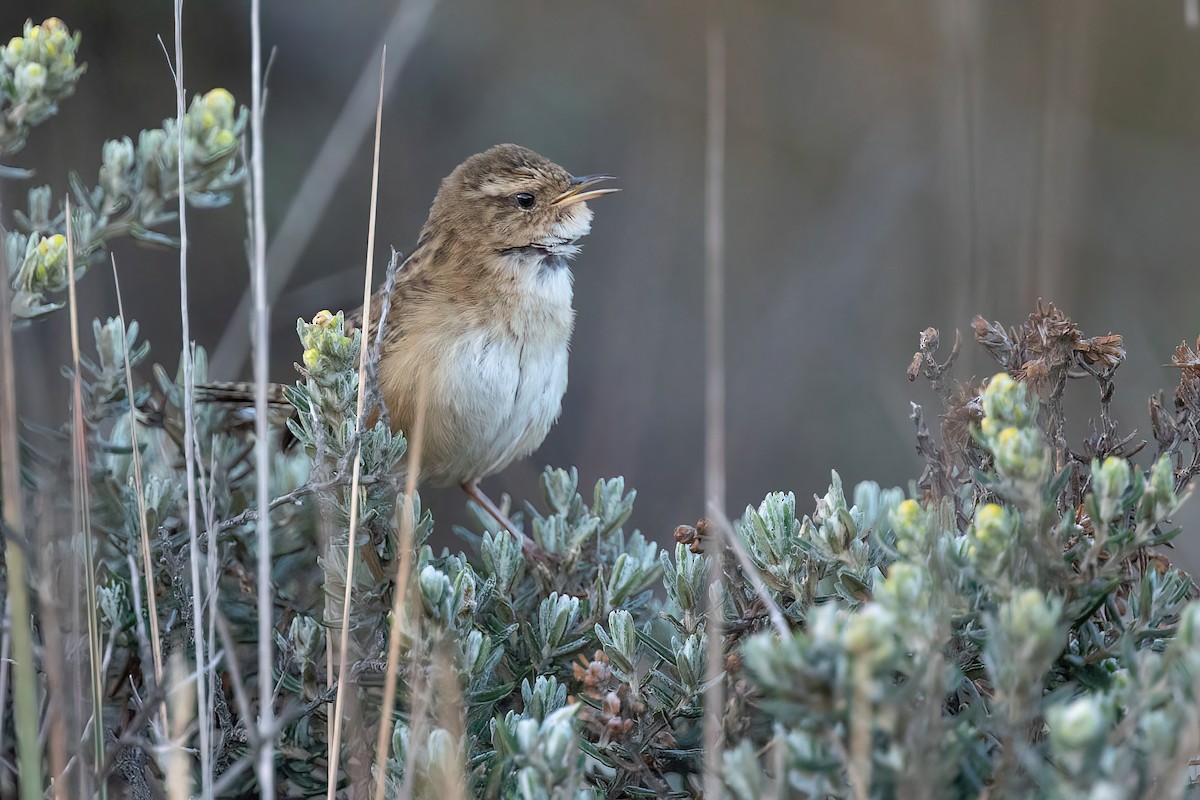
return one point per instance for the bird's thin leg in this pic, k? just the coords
(531, 547)
(475, 493)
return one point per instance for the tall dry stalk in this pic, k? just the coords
(714, 406)
(189, 424)
(83, 517)
(403, 570)
(143, 528)
(58, 733)
(183, 708)
(260, 334)
(356, 472)
(19, 635)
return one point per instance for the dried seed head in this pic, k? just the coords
(685, 534)
(692, 536)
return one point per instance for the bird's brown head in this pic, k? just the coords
(509, 198)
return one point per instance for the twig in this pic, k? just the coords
(351, 541)
(251, 514)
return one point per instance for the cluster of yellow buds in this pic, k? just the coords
(910, 525)
(992, 534)
(44, 267)
(43, 59)
(870, 634)
(1009, 430)
(1006, 402)
(212, 125)
(36, 71)
(212, 128)
(327, 348)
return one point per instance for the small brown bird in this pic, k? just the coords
(480, 317)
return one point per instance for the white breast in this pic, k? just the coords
(497, 387)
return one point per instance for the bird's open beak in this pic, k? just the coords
(579, 191)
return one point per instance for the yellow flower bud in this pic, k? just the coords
(58, 240)
(35, 32)
(54, 24)
(208, 120)
(990, 515)
(224, 139)
(907, 513)
(30, 79)
(219, 101)
(311, 356)
(323, 319)
(44, 246)
(1006, 435)
(16, 45)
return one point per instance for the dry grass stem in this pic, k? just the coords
(143, 529)
(403, 571)
(714, 434)
(189, 421)
(183, 708)
(355, 476)
(57, 730)
(260, 335)
(20, 628)
(450, 711)
(83, 500)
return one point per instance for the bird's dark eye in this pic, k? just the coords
(524, 200)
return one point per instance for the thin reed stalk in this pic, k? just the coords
(189, 423)
(83, 517)
(183, 709)
(20, 628)
(5, 647)
(403, 571)
(260, 334)
(714, 406)
(450, 711)
(57, 731)
(418, 720)
(356, 472)
(143, 527)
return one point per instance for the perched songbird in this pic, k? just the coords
(480, 317)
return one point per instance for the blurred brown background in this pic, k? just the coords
(890, 165)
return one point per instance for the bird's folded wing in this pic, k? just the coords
(238, 393)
